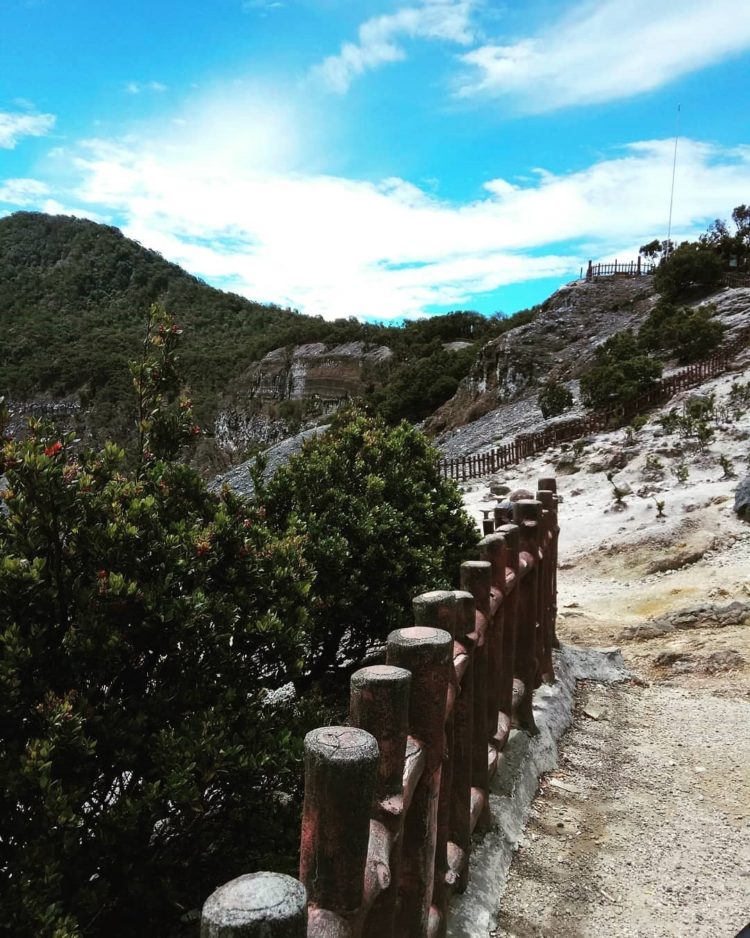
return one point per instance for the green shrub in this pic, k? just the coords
(143, 619)
(380, 525)
(690, 267)
(689, 334)
(621, 372)
(554, 399)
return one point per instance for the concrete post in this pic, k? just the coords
(492, 549)
(549, 484)
(437, 610)
(526, 514)
(379, 703)
(427, 653)
(510, 534)
(258, 905)
(476, 578)
(547, 500)
(341, 766)
(463, 722)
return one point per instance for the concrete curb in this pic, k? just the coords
(525, 759)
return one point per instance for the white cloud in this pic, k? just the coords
(378, 39)
(23, 192)
(262, 5)
(138, 87)
(603, 50)
(15, 126)
(338, 247)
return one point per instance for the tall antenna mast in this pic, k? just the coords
(674, 169)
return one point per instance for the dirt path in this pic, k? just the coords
(644, 829)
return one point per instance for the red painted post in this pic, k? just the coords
(339, 760)
(526, 516)
(459, 842)
(549, 484)
(426, 652)
(546, 572)
(380, 704)
(476, 578)
(492, 549)
(437, 610)
(510, 535)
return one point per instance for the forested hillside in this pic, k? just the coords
(74, 297)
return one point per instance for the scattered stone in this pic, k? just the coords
(742, 499)
(499, 488)
(682, 558)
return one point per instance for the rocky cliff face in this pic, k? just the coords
(308, 381)
(329, 374)
(557, 344)
(499, 398)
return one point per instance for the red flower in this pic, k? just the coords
(195, 430)
(54, 449)
(102, 574)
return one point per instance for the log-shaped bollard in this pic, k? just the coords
(492, 549)
(510, 534)
(459, 835)
(258, 905)
(437, 609)
(341, 764)
(379, 703)
(476, 578)
(546, 585)
(527, 514)
(549, 484)
(427, 653)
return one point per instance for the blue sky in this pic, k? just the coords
(378, 159)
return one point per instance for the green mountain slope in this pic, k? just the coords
(74, 296)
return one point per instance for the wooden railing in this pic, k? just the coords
(392, 800)
(635, 268)
(477, 465)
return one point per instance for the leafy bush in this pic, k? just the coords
(621, 372)
(690, 334)
(143, 619)
(690, 267)
(554, 399)
(380, 525)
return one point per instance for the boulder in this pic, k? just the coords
(742, 499)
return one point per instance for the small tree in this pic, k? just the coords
(554, 399)
(143, 622)
(621, 372)
(380, 525)
(690, 267)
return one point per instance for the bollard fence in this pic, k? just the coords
(461, 468)
(392, 801)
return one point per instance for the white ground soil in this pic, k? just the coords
(644, 830)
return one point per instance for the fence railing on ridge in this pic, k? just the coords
(392, 800)
(477, 465)
(634, 268)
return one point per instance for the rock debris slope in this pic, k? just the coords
(643, 830)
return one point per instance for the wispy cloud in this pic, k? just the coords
(379, 39)
(15, 126)
(263, 6)
(23, 192)
(339, 247)
(138, 87)
(603, 50)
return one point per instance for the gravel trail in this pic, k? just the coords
(644, 831)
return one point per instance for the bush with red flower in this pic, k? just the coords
(143, 622)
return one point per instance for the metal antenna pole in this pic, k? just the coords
(674, 169)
